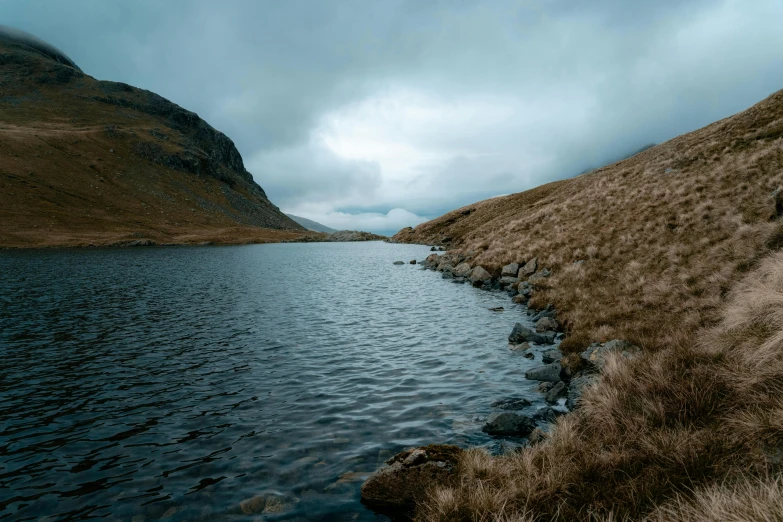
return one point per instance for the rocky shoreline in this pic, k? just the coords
(396, 487)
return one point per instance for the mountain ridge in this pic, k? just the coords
(98, 163)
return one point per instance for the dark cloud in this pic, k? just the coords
(426, 106)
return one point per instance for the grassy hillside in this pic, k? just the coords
(679, 248)
(84, 161)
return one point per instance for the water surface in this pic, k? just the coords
(175, 383)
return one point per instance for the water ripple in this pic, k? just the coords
(175, 383)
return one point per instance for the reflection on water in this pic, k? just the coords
(228, 383)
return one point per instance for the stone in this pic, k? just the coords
(525, 289)
(538, 277)
(507, 281)
(544, 387)
(523, 334)
(549, 311)
(462, 270)
(399, 263)
(547, 324)
(508, 424)
(447, 274)
(442, 249)
(433, 249)
(545, 414)
(551, 356)
(557, 391)
(479, 276)
(432, 259)
(510, 270)
(497, 309)
(577, 387)
(398, 486)
(265, 503)
(530, 267)
(511, 403)
(595, 355)
(548, 372)
(412, 262)
(529, 355)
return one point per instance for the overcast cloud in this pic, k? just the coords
(379, 115)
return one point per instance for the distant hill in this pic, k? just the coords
(309, 224)
(88, 162)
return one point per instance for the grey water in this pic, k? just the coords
(177, 383)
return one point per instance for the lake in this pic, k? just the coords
(177, 383)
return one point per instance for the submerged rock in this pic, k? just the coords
(512, 403)
(399, 263)
(509, 424)
(408, 476)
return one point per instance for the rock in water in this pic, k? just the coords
(479, 276)
(548, 372)
(509, 424)
(557, 391)
(408, 476)
(512, 403)
(462, 270)
(412, 261)
(399, 263)
(521, 334)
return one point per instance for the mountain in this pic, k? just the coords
(89, 162)
(309, 224)
(679, 251)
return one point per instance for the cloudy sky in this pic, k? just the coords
(377, 115)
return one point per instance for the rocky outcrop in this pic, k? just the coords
(408, 476)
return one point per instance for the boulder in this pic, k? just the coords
(462, 270)
(538, 277)
(412, 261)
(557, 391)
(447, 274)
(521, 334)
(510, 270)
(577, 387)
(525, 289)
(508, 424)
(530, 267)
(408, 476)
(442, 249)
(512, 403)
(595, 355)
(399, 263)
(507, 281)
(545, 414)
(479, 276)
(432, 260)
(544, 387)
(547, 324)
(549, 311)
(433, 249)
(551, 356)
(548, 372)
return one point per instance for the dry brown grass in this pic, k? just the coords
(683, 433)
(664, 234)
(683, 263)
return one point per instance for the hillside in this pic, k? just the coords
(88, 162)
(311, 225)
(676, 249)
